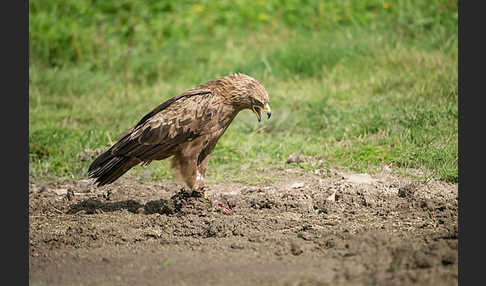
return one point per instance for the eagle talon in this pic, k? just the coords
(196, 194)
(207, 197)
(202, 189)
(187, 194)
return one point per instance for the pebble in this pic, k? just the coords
(60, 192)
(359, 179)
(297, 185)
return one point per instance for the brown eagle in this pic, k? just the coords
(186, 127)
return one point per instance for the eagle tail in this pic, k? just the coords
(107, 167)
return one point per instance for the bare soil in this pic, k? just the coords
(327, 228)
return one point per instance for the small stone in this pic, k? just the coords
(359, 179)
(304, 236)
(297, 185)
(237, 246)
(60, 192)
(332, 198)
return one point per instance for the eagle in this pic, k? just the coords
(185, 127)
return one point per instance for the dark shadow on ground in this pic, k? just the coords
(175, 204)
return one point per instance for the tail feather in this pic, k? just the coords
(107, 168)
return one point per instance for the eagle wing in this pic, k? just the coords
(178, 120)
(175, 121)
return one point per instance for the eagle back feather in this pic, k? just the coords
(179, 119)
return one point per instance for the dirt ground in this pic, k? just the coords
(321, 228)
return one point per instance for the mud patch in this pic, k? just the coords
(305, 229)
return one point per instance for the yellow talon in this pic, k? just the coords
(207, 197)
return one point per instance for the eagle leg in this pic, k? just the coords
(202, 173)
(188, 169)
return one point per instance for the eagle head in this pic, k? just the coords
(252, 95)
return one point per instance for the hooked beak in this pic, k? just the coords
(258, 110)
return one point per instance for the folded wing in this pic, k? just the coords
(174, 122)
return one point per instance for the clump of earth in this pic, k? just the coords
(322, 228)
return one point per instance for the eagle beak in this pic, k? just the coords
(268, 110)
(258, 110)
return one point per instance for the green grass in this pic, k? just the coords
(358, 83)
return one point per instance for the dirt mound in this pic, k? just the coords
(306, 229)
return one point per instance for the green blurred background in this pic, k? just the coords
(357, 85)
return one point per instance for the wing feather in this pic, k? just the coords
(166, 126)
(186, 94)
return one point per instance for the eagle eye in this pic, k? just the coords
(258, 103)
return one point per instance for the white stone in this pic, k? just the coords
(359, 179)
(60, 192)
(297, 185)
(332, 197)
